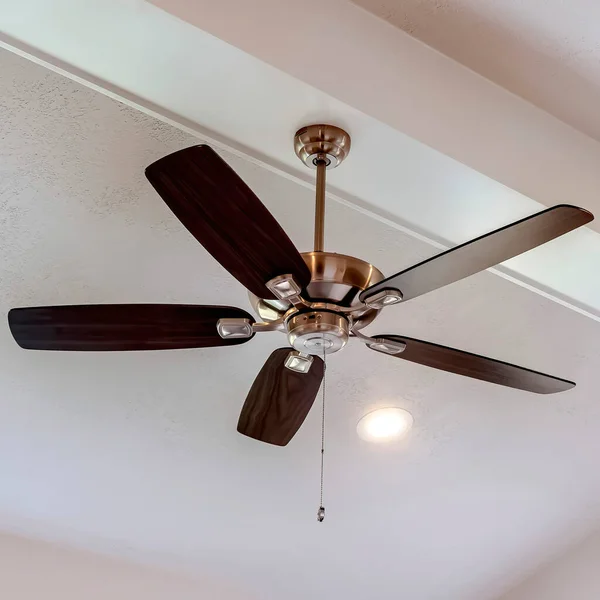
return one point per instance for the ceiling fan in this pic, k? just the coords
(318, 299)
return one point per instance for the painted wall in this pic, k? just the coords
(30, 570)
(573, 576)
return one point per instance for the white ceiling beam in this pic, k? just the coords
(367, 63)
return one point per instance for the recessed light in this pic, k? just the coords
(385, 425)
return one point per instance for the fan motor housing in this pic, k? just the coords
(318, 332)
(336, 281)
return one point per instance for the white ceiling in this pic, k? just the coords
(137, 454)
(547, 51)
(186, 76)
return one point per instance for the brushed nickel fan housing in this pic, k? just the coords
(336, 282)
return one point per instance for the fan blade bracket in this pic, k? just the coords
(299, 362)
(235, 328)
(379, 344)
(285, 287)
(245, 328)
(261, 326)
(383, 298)
(387, 346)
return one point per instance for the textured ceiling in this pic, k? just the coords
(137, 453)
(546, 51)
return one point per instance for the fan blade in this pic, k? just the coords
(483, 252)
(225, 216)
(279, 400)
(98, 327)
(477, 367)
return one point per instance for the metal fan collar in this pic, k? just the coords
(333, 306)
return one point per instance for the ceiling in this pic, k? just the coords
(547, 52)
(136, 454)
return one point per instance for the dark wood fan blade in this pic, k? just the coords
(225, 216)
(98, 327)
(477, 367)
(279, 400)
(484, 252)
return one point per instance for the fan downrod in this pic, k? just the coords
(321, 147)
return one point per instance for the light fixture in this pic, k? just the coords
(384, 425)
(384, 298)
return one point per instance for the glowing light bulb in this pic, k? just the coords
(385, 425)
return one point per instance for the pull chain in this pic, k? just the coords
(321, 511)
